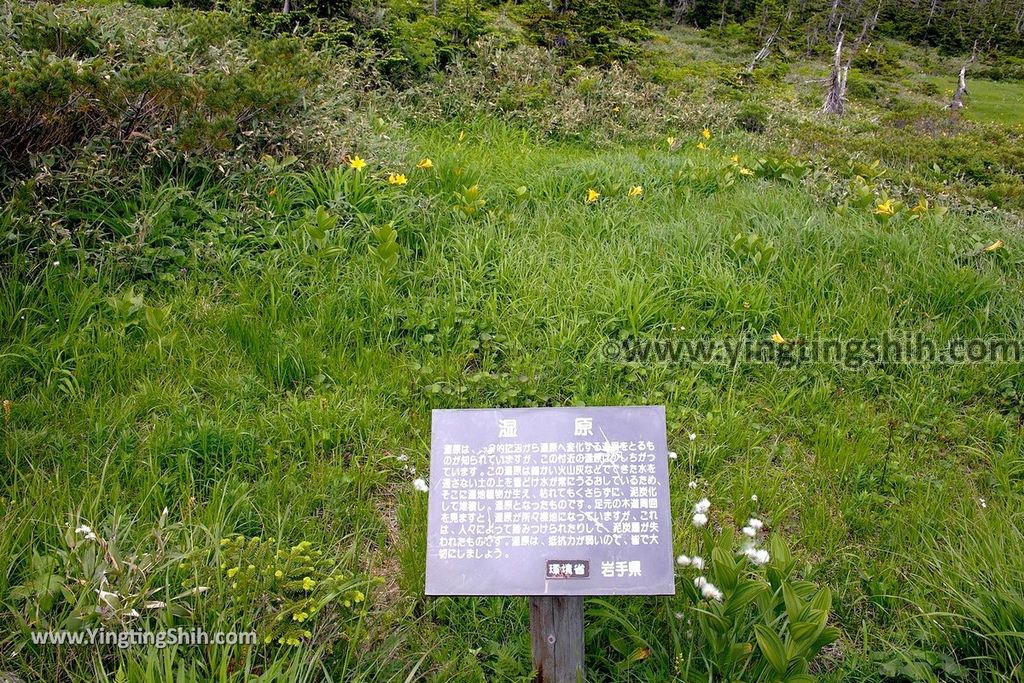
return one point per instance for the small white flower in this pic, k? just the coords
(754, 498)
(56, 263)
(755, 523)
(403, 457)
(709, 591)
(702, 506)
(700, 519)
(749, 531)
(420, 485)
(83, 530)
(693, 485)
(981, 501)
(679, 616)
(699, 582)
(90, 536)
(683, 561)
(672, 455)
(756, 556)
(692, 436)
(697, 561)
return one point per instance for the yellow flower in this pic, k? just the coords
(995, 246)
(921, 208)
(279, 574)
(735, 158)
(462, 135)
(636, 191)
(397, 179)
(358, 596)
(232, 572)
(592, 196)
(308, 583)
(746, 171)
(779, 339)
(425, 163)
(885, 208)
(615, 108)
(706, 134)
(671, 141)
(356, 163)
(701, 145)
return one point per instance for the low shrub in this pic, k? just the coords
(753, 117)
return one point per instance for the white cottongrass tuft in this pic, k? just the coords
(754, 498)
(982, 503)
(697, 561)
(420, 485)
(692, 436)
(699, 582)
(756, 555)
(693, 485)
(749, 531)
(702, 506)
(672, 455)
(709, 591)
(755, 523)
(700, 520)
(683, 561)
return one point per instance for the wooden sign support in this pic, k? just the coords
(556, 637)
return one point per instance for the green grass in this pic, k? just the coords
(284, 376)
(199, 346)
(989, 101)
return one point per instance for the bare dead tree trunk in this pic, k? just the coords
(835, 98)
(287, 7)
(961, 88)
(832, 16)
(434, 8)
(765, 49)
(682, 8)
(865, 31)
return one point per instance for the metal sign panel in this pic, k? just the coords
(549, 501)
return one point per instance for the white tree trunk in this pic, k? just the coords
(835, 98)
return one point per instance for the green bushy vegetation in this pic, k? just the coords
(244, 253)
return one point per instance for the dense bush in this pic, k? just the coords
(753, 117)
(591, 32)
(75, 81)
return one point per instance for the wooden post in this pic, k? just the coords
(556, 637)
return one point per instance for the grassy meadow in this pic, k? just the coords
(198, 351)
